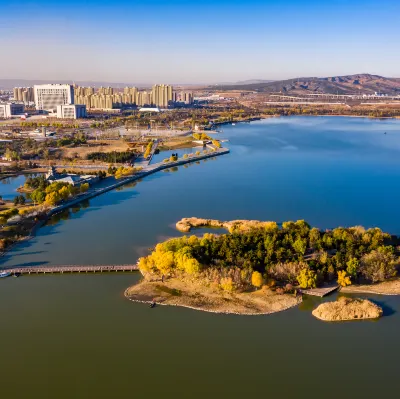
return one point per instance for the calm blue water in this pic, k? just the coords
(85, 340)
(8, 186)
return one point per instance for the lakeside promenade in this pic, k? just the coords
(146, 171)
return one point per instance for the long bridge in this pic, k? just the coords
(71, 269)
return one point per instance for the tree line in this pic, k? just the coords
(293, 254)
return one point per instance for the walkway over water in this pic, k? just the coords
(71, 269)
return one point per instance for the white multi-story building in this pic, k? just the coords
(10, 109)
(47, 97)
(71, 111)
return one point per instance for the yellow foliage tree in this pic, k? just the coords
(257, 279)
(216, 143)
(227, 284)
(145, 264)
(307, 278)
(164, 261)
(64, 192)
(343, 279)
(52, 198)
(192, 266)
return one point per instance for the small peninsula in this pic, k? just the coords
(260, 267)
(347, 309)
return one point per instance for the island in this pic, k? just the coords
(348, 309)
(260, 267)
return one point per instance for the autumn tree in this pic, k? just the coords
(307, 278)
(343, 279)
(257, 279)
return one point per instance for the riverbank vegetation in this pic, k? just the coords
(148, 149)
(111, 157)
(293, 254)
(219, 272)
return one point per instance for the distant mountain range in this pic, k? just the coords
(349, 84)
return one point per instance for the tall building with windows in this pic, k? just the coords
(23, 94)
(47, 97)
(162, 95)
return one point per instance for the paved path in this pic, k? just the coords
(95, 190)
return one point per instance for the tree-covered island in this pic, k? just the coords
(260, 267)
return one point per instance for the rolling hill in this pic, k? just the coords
(349, 84)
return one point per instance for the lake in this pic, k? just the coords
(9, 185)
(76, 336)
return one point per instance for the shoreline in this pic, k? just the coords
(195, 295)
(151, 169)
(209, 310)
(389, 288)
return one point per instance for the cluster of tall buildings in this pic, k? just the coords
(24, 94)
(185, 97)
(49, 97)
(106, 97)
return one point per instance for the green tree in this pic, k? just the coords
(84, 187)
(300, 246)
(352, 267)
(38, 196)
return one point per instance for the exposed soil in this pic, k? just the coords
(347, 309)
(195, 294)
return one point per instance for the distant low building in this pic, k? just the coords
(148, 109)
(76, 180)
(10, 110)
(71, 111)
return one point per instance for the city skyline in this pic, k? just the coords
(178, 42)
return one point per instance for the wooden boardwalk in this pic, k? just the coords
(72, 269)
(321, 292)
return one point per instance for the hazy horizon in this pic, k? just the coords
(181, 42)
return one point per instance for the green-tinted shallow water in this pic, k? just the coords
(75, 336)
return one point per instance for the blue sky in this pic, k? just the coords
(197, 42)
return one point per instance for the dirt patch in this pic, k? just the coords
(95, 146)
(348, 309)
(385, 288)
(186, 224)
(196, 295)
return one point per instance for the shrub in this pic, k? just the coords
(8, 214)
(226, 284)
(287, 272)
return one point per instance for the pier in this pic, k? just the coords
(322, 291)
(71, 269)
